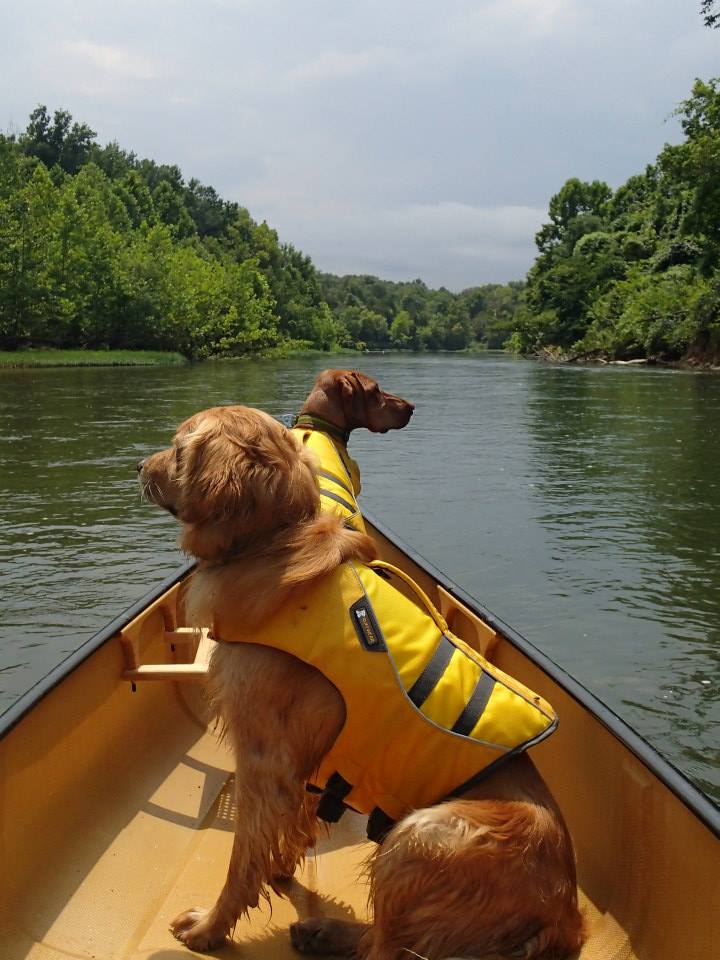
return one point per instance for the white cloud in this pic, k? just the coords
(500, 28)
(540, 16)
(406, 138)
(336, 65)
(445, 243)
(116, 61)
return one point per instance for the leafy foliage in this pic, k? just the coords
(380, 314)
(101, 249)
(634, 273)
(710, 13)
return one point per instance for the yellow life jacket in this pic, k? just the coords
(339, 474)
(426, 714)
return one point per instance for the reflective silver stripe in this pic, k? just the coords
(338, 499)
(475, 705)
(334, 479)
(434, 669)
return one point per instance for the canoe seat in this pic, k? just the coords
(192, 671)
(467, 625)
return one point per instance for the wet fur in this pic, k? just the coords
(490, 874)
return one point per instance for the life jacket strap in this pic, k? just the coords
(434, 669)
(475, 706)
(379, 825)
(393, 571)
(331, 807)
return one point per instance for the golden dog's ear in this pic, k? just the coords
(241, 476)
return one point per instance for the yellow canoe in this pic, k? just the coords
(117, 810)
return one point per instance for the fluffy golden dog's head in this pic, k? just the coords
(232, 475)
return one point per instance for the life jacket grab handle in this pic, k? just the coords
(416, 589)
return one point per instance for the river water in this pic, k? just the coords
(581, 505)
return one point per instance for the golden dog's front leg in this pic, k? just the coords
(204, 930)
(273, 826)
(282, 717)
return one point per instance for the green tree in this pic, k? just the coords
(578, 208)
(170, 209)
(27, 233)
(100, 247)
(630, 273)
(136, 198)
(710, 13)
(402, 332)
(57, 140)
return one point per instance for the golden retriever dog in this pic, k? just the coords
(491, 873)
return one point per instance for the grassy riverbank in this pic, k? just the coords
(89, 358)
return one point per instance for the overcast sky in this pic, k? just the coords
(402, 138)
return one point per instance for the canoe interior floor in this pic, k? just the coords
(133, 866)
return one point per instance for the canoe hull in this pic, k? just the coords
(117, 810)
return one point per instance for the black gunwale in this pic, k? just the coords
(693, 798)
(24, 704)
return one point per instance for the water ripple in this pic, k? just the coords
(582, 506)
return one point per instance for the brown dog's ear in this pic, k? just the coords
(349, 399)
(359, 394)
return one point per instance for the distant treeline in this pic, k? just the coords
(101, 249)
(379, 314)
(635, 272)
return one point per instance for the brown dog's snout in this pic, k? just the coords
(404, 407)
(399, 401)
(140, 464)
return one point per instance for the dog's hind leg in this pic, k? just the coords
(473, 879)
(325, 935)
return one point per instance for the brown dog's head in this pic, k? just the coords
(350, 399)
(233, 475)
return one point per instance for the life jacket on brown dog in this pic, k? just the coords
(339, 474)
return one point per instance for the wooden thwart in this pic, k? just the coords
(466, 624)
(461, 620)
(195, 671)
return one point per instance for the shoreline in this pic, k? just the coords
(54, 358)
(691, 363)
(26, 359)
(50, 357)
(57, 358)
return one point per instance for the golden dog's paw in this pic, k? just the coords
(194, 929)
(324, 935)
